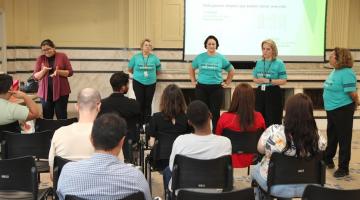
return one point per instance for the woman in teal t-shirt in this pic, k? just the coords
(269, 73)
(144, 66)
(209, 83)
(340, 101)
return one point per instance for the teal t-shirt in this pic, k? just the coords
(144, 68)
(336, 88)
(210, 68)
(274, 69)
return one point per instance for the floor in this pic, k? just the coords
(242, 180)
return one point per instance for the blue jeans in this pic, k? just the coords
(166, 179)
(283, 191)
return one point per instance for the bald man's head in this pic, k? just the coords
(88, 99)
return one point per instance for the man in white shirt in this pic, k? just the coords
(73, 142)
(201, 144)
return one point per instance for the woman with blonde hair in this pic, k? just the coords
(145, 67)
(340, 101)
(269, 73)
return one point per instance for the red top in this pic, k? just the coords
(231, 121)
(61, 86)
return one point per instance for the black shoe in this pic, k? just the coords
(341, 173)
(330, 165)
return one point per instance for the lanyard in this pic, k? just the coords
(266, 71)
(147, 59)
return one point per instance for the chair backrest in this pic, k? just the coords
(52, 124)
(12, 127)
(291, 170)
(19, 174)
(314, 192)
(243, 141)
(245, 194)
(59, 163)
(194, 173)
(136, 196)
(165, 142)
(35, 144)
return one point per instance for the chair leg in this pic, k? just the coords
(249, 170)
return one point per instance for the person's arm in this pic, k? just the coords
(277, 81)
(33, 109)
(229, 78)
(130, 70)
(355, 97)
(66, 72)
(192, 75)
(40, 71)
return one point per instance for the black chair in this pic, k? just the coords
(18, 179)
(199, 174)
(244, 142)
(59, 163)
(52, 124)
(135, 196)
(158, 159)
(35, 144)
(291, 170)
(245, 194)
(314, 192)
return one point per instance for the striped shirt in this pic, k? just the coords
(102, 176)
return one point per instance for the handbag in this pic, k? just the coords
(30, 86)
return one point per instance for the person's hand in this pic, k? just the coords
(225, 84)
(44, 68)
(17, 94)
(55, 72)
(193, 83)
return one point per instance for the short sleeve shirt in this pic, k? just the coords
(11, 112)
(339, 83)
(274, 69)
(210, 68)
(144, 68)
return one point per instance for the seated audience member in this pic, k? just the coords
(125, 107)
(298, 136)
(170, 121)
(241, 117)
(103, 176)
(12, 112)
(202, 144)
(73, 141)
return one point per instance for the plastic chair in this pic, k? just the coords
(52, 124)
(199, 174)
(291, 170)
(135, 196)
(244, 142)
(59, 163)
(314, 192)
(18, 179)
(245, 194)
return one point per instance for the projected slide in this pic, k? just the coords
(297, 26)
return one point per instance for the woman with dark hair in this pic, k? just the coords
(269, 73)
(241, 117)
(52, 70)
(170, 122)
(210, 83)
(145, 66)
(340, 101)
(298, 136)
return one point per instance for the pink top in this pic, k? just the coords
(61, 85)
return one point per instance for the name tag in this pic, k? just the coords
(263, 87)
(146, 74)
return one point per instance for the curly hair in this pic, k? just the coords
(300, 126)
(343, 58)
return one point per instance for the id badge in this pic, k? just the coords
(146, 74)
(263, 87)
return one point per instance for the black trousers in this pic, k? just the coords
(212, 96)
(144, 95)
(339, 131)
(269, 104)
(59, 107)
